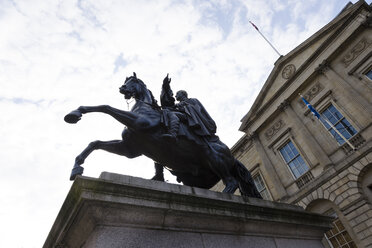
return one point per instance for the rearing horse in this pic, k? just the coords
(194, 165)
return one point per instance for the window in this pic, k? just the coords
(294, 160)
(338, 236)
(369, 74)
(338, 122)
(261, 187)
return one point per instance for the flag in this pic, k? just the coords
(312, 109)
(254, 26)
(327, 124)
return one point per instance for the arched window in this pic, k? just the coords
(341, 235)
(338, 235)
(366, 182)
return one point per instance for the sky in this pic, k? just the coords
(58, 55)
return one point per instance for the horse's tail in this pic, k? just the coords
(246, 184)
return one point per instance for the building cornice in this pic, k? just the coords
(357, 8)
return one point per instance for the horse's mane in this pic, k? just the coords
(154, 101)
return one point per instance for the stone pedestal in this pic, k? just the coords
(123, 211)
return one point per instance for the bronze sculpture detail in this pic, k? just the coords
(189, 149)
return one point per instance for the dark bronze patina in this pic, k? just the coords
(180, 137)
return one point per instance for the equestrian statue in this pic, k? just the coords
(177, 136)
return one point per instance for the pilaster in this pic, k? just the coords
(268, 167)
(305, 134)
(351, 94)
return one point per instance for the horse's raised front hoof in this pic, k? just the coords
(73, 117)
(77, 170)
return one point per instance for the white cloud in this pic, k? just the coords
(57, 55)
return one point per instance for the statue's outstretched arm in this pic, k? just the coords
(166, 95)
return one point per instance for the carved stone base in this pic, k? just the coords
(122, 211)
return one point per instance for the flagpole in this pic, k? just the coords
(320, 116)
(265, 38)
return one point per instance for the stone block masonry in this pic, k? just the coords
(123, 211)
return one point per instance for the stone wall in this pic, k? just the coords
(345, 190)
(122, 211)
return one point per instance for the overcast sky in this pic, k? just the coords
(58, 55)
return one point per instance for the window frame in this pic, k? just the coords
(322, 107)
(327, 106)
(364, 69)
(340, 233)
(287, 141)
(281, 141)
(367, 72)
(259, 174)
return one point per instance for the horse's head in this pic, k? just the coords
(133, 87)
(136, 88)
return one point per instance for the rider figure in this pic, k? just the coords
(196, 115)
(191, 111)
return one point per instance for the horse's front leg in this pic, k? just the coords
(127, 118)
(119, 147)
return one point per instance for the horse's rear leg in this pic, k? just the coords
(159, 172)
(231, 184)
(221, 164)
(119, 147)
(222, 168)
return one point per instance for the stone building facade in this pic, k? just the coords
(297, 159)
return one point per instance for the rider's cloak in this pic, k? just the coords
(197, 117)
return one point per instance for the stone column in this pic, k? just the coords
(352, 95)
(268, 167)
(305, 134)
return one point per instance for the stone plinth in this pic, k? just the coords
(123, 211)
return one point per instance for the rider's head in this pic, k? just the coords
(181, 95)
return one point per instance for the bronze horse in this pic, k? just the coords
(193, 164)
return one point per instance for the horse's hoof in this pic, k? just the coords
(73, 117)
(76, 171)
(231, 187)
(158, 178)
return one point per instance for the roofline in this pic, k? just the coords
(348, 5)
(238, 143)
(283, 59)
